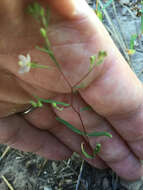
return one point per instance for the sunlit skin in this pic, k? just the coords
(112, 89)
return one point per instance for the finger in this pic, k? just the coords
(68, 8)
(130, 127)
(117, 94)
(114, 151)
(17, 133)
(40, 118)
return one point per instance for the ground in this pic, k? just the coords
(26, 171)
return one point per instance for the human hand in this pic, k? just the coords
(115, 92)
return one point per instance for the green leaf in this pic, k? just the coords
(53, 101)
(97, 149)
(39, 103)
(70, 126)
(34, 104)
(85, 153)
(98, 134)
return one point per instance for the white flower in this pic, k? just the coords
(25, 64)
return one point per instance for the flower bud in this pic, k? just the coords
(43, 32)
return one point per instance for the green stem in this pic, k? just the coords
(35, 65)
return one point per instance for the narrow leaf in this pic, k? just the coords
(70, 126)
(85, 153)
(98, 134)
(53, 101)
(34, 104)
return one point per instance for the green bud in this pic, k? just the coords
(42, 12)
(101, 57)
(39, 104)
(97, 149)
(92, 60)
(43, 32)
(55, 106)
(34, 104)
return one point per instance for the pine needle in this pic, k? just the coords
(5, 152)
(7, 183)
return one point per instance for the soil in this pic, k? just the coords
(26, 171)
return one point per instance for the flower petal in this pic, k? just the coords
(28, 58)
(24, 69)
(22, 58)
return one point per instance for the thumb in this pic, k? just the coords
(70, 8)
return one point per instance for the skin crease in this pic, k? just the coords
(112, 89)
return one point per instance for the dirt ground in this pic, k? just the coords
(26, 171)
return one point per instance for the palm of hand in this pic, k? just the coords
(81, 39)
(71, 44)
(69, 52)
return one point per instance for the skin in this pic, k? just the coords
(112, 89)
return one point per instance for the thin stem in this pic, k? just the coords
(44, 22)
(79, 115)
(71, 100)
(72, 106)
(84, 77)
(97, 5)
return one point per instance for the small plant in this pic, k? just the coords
(42, 16)
(132, 50)
(99, 10)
